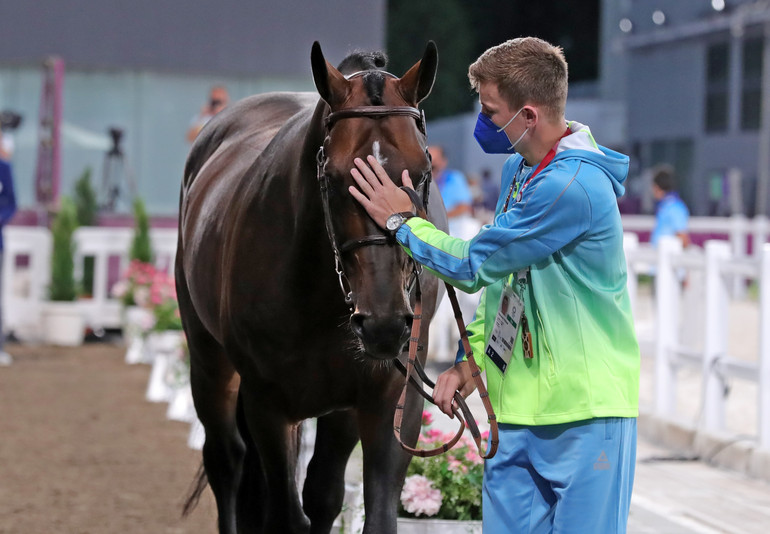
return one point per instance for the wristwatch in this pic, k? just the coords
(395, 220)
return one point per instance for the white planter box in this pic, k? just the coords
(437, 526)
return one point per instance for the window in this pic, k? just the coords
(717, 87)
(751, 94)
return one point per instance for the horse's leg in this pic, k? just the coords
(250, 511)
(276, 440)
(215, 390)
(214, 384)
(385, 462)
(324, 491)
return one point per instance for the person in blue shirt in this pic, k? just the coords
(671, 214)
(7, 210)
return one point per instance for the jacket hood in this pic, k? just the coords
(580, 144)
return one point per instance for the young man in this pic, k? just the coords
(671, 215)
(567, 398)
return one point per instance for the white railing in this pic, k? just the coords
(27, 272)
(714, 271)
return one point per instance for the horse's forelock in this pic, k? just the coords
(363, 60)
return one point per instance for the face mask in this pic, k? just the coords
(494, 140)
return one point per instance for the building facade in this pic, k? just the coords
(696, 77)
(146, 68)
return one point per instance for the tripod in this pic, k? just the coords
(114, 174)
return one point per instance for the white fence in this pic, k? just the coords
(714, 271)
(717, 271)
(27, 273)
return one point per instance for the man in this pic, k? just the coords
(219, 98)
(567, 400)
(671, 214)
(7, 209)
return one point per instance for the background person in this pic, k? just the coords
(567, 407)
(458, 201)
(671, 214)
(219, 98)
(7, 210)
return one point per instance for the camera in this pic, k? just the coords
(9, 120)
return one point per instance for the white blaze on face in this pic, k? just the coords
(377, 155)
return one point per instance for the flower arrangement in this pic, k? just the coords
(447, 486)
(133, 289)
(164, 304)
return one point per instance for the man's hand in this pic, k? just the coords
(377, 193)
(457, 378)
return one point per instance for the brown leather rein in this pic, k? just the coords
(412, 364)
(464, 418)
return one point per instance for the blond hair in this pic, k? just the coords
(526, 70)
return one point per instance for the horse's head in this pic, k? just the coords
(372, 112)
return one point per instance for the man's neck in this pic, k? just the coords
(545, 136)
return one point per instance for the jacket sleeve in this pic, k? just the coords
(553, 212)
(7, 194)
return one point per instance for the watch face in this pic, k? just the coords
(394, 221)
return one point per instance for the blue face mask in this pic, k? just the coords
(494, 140)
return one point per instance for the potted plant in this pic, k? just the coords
(442, 493)
(87, 209)
(166, 338)
(133, 289)
(63, 322)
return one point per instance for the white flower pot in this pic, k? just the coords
(437, 526)
(63, 324)
(197, 436)
(165, 347)
(137, 322)
(181, 406)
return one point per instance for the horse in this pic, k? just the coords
(295, 303)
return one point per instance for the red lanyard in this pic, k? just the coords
(547, 159)
(542, 165)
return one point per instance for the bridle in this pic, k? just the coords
(372, 112)
(376, 113)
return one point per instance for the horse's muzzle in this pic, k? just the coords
(383, 337)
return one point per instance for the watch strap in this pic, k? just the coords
(415, 198)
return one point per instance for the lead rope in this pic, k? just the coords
(412, 363)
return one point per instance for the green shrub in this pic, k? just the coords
(141, 248)
(85, 200)
(63, 286)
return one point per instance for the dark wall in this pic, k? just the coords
(257, 37)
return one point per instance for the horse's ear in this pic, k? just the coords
(417, 83)
(330, 83)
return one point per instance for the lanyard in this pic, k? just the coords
(542, 165)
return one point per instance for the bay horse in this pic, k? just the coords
(295, 304)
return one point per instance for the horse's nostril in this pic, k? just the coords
(357, 324)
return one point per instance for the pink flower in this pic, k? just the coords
(427, 418)
(419, 497)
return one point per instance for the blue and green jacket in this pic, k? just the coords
(566, 228)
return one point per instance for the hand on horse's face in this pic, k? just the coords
(377, 193)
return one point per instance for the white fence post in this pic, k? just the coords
(717, 308)
(764, 348)
(739, 241)
(24, 290)
(667, 297)
(630, 245)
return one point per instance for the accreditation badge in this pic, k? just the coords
(501, 341)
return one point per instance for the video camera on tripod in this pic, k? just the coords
(9, 120)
